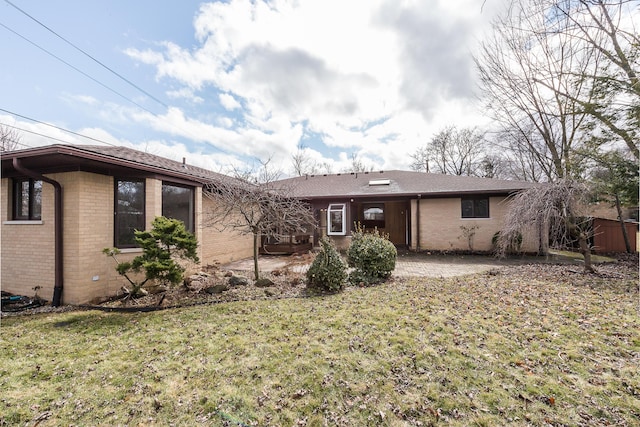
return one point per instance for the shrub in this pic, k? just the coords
(167, 240)
(507, 244)
(372, 255)
(328, 271)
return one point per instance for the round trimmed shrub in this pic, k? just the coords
(328, 271)
(372, 256)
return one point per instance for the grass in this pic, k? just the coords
(579, 257)
(524, 347)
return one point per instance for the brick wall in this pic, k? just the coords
(441, 222)
(27, 248)
(222, 246)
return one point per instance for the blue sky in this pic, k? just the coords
(244, 80)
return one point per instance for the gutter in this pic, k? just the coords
(58, 283)
(418, 223)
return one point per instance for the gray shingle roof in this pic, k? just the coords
(61, 157)
(146, 159)
(400, 183)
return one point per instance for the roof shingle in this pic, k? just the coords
(401, 183)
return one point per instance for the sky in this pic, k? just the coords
(229, 84)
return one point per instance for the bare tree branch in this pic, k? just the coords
(9, 138)
(556, 211)
(260, 210)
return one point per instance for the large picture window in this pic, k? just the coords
(27, 199)
(336, 220)
(475, 207)
(177, 203)
(129, 211)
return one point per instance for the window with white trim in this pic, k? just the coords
(336, 219)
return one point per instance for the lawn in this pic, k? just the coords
(541, 345)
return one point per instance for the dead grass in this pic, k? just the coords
(529, 345)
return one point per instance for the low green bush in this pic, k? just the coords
(328, 272)
(372, 256)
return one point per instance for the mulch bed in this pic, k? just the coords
(290, 284)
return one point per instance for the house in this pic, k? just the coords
(62, 204)
(420, 211)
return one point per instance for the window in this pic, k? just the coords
(373, 215)
(129, 211)
(477, 207)
(336, 220)
(27, 199)
(177, 203)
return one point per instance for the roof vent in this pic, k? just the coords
(380, 182)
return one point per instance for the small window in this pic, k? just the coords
(27, 199)
(336, 220)
(129, 211)
(475, 207)
(177, 203)
(373, 215)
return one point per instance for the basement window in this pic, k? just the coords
(336, 220)
(27, 199)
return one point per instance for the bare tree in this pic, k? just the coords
(451, 151)
(557, 207)
(358, 165)
(302, 163)
(9, 138)
(607, 29)
(421, 159)
(251, 173)
(266, 209)
(523, 68)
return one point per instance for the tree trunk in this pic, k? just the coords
(627, 244)
(586, 252)
(255, 256)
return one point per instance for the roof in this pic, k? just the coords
(105, 160)
(396, 183)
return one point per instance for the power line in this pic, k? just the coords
(55, 127)
(88, 55)
(77, 69)
(35, 133)
(189, 133)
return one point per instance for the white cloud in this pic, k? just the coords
(185, 93)
(229, 102)
(378, 77)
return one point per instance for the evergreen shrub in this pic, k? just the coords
(328, 272)
(372, 256)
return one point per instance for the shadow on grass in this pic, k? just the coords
(94, 321)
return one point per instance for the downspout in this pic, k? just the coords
(58, 283)
(418, 223)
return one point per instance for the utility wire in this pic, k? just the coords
(88, 76)
(77, 69)
(55, 127)
(88, 55)
(35, 133)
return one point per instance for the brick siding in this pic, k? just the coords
(27, 256)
